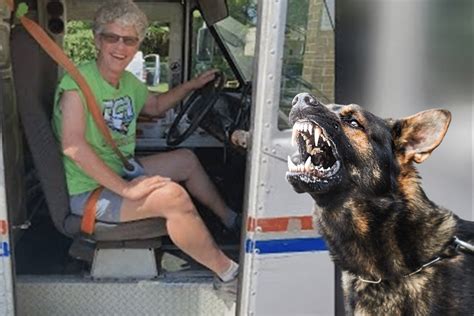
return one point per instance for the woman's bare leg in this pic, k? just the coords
(182, 165)
(185, 228)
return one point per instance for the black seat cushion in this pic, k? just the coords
(142, 229)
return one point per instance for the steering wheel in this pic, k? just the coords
(200, 103)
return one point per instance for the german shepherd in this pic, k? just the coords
(400, 253)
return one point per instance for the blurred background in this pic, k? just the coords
(399, 57)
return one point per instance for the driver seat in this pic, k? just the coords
(115, 250)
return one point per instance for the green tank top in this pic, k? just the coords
(120, 108)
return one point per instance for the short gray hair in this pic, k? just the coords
(124, 12)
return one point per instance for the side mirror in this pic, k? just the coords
(152, 69)
(205, 45)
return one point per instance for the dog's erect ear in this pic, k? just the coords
(420, 134)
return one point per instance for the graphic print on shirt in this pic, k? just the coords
(118, 114)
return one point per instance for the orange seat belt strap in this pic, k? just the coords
(56, 53)
(90, 211)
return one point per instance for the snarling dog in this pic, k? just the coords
(400, 253)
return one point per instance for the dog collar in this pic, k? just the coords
(458, 245)
(464, 245)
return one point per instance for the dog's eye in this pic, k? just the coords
(351, 121)
(354, 123)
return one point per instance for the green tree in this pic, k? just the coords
(156, 40)
(79, 42)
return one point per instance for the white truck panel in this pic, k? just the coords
(290, 273)
(6, 286)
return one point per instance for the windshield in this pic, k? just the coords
(238, 33)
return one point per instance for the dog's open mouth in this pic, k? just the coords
(317, 159)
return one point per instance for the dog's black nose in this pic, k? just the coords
(304, 99)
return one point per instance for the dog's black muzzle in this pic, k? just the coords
(305, 105)
(317, 167)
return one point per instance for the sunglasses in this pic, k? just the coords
(112, 38)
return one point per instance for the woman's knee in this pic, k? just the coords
(173, 197)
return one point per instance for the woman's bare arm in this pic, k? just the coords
(157, 104)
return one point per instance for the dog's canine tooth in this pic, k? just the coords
(317, 133)
(291, 165)
(307, 164)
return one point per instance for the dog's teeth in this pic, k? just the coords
(300, 126)
(307, 164)
(291, 165)
(310, 129)
(317, 133)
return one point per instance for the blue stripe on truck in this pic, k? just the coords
(4, 249)
(285, 245)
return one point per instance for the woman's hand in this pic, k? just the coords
(201, 80)
(142, 186)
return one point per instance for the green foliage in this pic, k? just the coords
(243, 10)
(79, 42)
(156, 40)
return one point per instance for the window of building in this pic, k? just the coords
(309, 56)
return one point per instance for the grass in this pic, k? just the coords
(160, 88)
